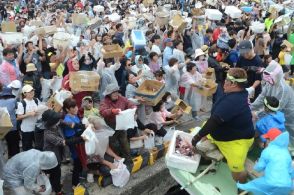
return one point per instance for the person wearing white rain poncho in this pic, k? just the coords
(21, 171)
(141, 69)
(275, 85)
(191, 80)
(172, 78)
(107, 70)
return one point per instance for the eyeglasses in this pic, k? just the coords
(140, 60)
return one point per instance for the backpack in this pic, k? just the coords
(24, 104)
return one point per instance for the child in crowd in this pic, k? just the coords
(271, 117)
(73, 130)
(159, 76)
(161, 117)
(282, 58)
(88, 107)
(276, 164)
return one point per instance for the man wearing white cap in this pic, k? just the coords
(27, 113)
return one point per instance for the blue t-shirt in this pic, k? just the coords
(68, 131)
(233, 109)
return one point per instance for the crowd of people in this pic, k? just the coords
(253, 102)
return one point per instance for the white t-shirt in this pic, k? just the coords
(28, 123)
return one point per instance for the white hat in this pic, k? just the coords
(16, 84)
(27, 88)
(110, 89)
(199, 52)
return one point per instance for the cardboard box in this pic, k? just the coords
(52, 103)
(8, 27)
(147, 3)
(210, 73)
(152, 91)
(197, 12)
(208, 89)
(78, 19)
(180, 104)
(5, 123)
(287, 43)
(37, 23)
(111, 51)
(46, 30)
(178, 22)
(84, 81)
(162, 18)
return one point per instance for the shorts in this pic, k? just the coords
(235, 152)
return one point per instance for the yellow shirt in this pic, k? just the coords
(92, 112)
(282, 58)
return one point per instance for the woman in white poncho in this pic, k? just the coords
(191, 80)
(107, 72)
(275, 85)
(141, 69)
(172, 77)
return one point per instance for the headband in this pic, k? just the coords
(233, 79)
(270, 107)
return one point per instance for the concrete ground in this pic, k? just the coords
(151, 180)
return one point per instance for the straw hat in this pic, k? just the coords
(205, 48)
(31, 67)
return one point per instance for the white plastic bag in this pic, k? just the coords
(45, 93)
(56, 84)
(169, 134)
(90, 144)
(44, 180)
(149, 143)
(61, 95)
(120, 176)
(126, 119)
(287, 59)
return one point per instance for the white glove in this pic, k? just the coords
(251, 91)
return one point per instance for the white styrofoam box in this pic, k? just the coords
(12, 38)
(174, 160)
(213, 14)
(138, 39)
(233, 12)
(98, 8)
(257, 27)
(114, 17)
(167, 7)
